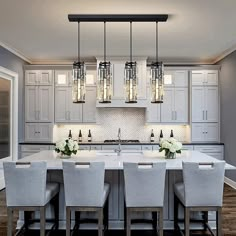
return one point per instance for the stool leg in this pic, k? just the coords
(154, 221)
(205, 218)
(161, 222)
(9, 221)
(128, 222)
(186, 221)
(125, 220)
(176, 213)
(219, 221)
(68, 215)
(55, 203)
(42, 221)
(100, 222)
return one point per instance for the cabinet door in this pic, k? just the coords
(211, 104)
(212, 132)
(31, 104)
(198, 133)
(180, 78)
(31, 132)
(118, 80)
(45, 77)
(31, 77)
(198, 77)
(38, 132)
(45, 103)
(61, 106)
(89, 107)
(167, 113)
(198, 104)
(212, 77)
(169, 78)
(62, 77)
(181, 105)
(75, 109)
(153, 113)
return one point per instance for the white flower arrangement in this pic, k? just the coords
(67, 147)
(170, 146)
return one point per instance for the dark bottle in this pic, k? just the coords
(171, 134)
(70, 134)
(80, 136)
(152, 138)
(89, 136)
(161, 136)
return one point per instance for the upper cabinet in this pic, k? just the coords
(39, 77)
(63, 78)
(176, 78)
(204, 77)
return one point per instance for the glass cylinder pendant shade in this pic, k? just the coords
(78, 87)
(131, 82)
(104, 84)
(157, 82)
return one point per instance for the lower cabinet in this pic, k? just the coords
(27, 150)
(216, 151)
(38, 132)
(205, 132)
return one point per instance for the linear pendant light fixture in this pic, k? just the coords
(104, 73)
(131, 76)
(157, 77)
(104, 83)
(78, 74)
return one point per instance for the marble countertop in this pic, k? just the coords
(115, 162)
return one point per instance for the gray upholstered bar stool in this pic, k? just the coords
(27, 190)
(144, 191)
(201, 190)
(85, 191)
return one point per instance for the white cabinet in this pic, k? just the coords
(176, 78)
(68, 112)
(38, 132)
(27, 150)
(38, 103)
(204, 77)
(216, 151)
(175, 105)
(202, 132)
(63, 78)
(205, 103)
(38, 77)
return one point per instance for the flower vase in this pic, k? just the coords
(170, 155)
(64, 156)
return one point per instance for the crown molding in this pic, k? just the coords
(15, 52)
(224, 54)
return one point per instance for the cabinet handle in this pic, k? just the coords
(172, 115)
(175, 115)
(206, 115)
(69, 114)
(38, 115)
(203, 115)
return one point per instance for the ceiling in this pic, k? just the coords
(200, 31)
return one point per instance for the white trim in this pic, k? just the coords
(15, 52)
(230, 182)
(10, 75)
(224, 54)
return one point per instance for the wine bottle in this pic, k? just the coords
(80, 136)
(161, 136)
(89, 136)
(70, 134)
(152, 138)
(171, 134)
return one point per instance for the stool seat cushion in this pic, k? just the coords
(51, 190)
(179, 191)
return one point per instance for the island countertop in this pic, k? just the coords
(115, 162)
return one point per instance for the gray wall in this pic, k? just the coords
(14, 63)
(228, 109)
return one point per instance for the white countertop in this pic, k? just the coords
(114, 162)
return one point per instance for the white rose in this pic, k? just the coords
(172, 140)
(177, 146)
(172, 149)
(76, 146)
(166, 145)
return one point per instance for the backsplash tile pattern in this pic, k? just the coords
(130, 120)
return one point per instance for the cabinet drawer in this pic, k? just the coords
(130, 147)
(187, 147)
(84, 147)
(209, 148)
(155, 147)
(96, 147)
(34, 148)
(147, 147)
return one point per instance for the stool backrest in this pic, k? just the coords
(204, 183)
(25, 183)
(144, 184)
(84, 183)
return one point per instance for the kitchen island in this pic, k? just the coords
(114, 176)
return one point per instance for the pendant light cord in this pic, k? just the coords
(157, 41)
(130, 41)
(105, 41)
(78, 41)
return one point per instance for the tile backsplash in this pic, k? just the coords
(130, 120)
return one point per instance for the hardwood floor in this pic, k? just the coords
(229, 220)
